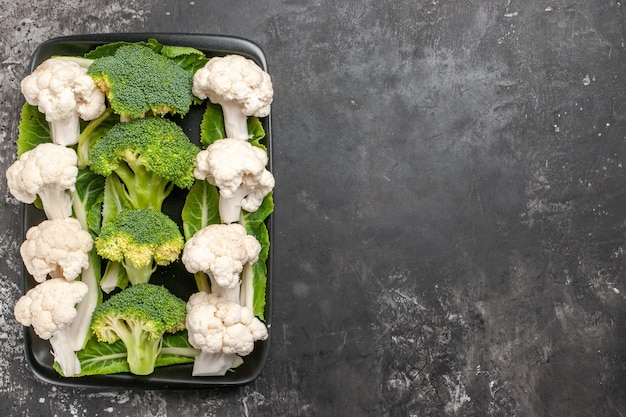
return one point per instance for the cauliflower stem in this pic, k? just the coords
(84, 200)
(235, 121)
(65, 131)
(56, 203)
(79, 331)
(214, 364)
(230, 207)
(62, 344)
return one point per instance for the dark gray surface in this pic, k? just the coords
(450, 222)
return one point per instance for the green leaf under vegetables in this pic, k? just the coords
(176, 350)
(200, 208)
(185, 57)
(100, 358)
(255, 224)
(256, 131)
(33, 129)
(212, 125)
(90, 193)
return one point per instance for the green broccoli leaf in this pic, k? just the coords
(33, 129)
(200, 208)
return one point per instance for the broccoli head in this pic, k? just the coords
(139, 81)
(139, 316)
(140, 240)
(149, 156)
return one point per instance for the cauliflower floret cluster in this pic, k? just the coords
(47, 171)
(64, 92)
(218, 325)
(220, 319)
(57, 247)
(50, 306)
(240, 86)
(59, 309)
(221, 251)
(50, 309)
(237, 169)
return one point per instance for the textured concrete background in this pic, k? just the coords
(450, 226)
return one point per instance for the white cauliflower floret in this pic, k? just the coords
(221, 329)
(50, 309)
(204, 318)
(63, 91)
(240, 86)
(215, 324)
(57, 247)
(237, 169)
(47, 171)
(221, 251)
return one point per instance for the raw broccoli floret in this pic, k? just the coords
(138, 81)
(149, 156)
(139, 240)
(139, 316)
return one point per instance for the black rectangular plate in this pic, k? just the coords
(175, 277)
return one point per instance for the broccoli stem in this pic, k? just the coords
(86, 141)
(246, 297)
(144, 189)
(64, 353)
(114, 277)
(235, 121)
(65, 131)
(138, 275)
(142, 350)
